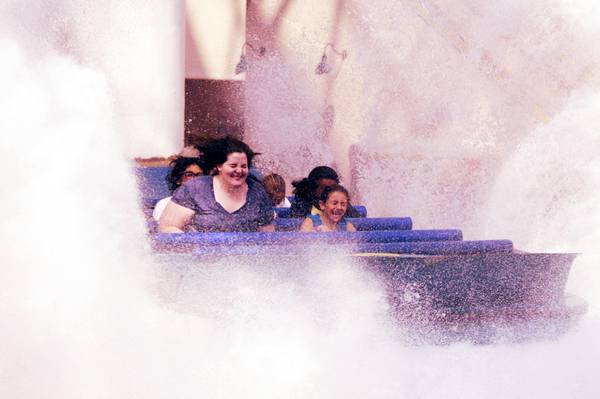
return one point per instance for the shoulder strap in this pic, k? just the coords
(316, 219)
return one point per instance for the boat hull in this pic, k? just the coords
(481, 298)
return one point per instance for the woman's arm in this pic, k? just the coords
(307, 225)
(350, 227)
(174, 218)
(267, 228)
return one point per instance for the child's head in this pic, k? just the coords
(275, 187)
(334, 202)
(310, 188)
(182, 170)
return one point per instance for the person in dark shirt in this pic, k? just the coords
(225, 201)
(307, 192)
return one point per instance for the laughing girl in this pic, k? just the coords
(333, 204)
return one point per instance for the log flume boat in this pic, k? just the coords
(440, 288)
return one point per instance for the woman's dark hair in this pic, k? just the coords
(336, 188)
(178, 167)
(304, 189)
(215, 152)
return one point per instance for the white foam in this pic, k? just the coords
(81, 316)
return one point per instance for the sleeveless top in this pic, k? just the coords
(318, 223)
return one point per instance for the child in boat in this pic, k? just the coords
(275, 187)
(333, 205)
(183, 169)
(307, 192)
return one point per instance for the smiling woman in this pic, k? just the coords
(226, 201)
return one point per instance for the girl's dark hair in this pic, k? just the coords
(336, 188)
(304, 189)
(215, 152)
(178, 167)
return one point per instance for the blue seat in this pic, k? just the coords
(285, 212)
(282, 213)
(361, 224)
(289, 238)
(416, 248)
(152, 182)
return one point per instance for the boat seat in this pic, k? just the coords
(290, 238)
(284, 213)
(361, 224)
(415, 248)
(152, 182)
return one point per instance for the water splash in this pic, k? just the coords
(86, 311)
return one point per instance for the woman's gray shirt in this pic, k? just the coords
(199, 195)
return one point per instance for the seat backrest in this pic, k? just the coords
(361, 224)
(416, 248)
(285, 212)
(294, 237)
(152, 182)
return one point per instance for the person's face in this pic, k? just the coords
(277, 195)
(191, 172)
(321, 185)
(335, 207)
(235, 169)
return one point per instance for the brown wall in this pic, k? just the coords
(213, 108)
(214, 94)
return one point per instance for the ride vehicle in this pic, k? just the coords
(440, 287)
